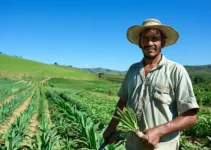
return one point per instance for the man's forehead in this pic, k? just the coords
(148, 30)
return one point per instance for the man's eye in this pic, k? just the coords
(144, 38)
(154, 38)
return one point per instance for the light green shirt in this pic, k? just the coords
(158, 98)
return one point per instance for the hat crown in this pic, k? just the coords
(150, 22)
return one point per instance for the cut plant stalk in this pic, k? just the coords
(128, 121)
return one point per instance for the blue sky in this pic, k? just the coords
(92, 33)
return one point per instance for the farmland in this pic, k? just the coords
(68, 109)
(36, 115)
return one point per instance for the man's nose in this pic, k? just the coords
(150, 43)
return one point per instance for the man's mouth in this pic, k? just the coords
(149, 48)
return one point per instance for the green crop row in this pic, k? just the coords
(14, 136)
(7, 108)
(75, 128)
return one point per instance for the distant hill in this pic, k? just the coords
(192, 70)
(103, 70)
(202, 69)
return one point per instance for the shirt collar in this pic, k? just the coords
(163, 61)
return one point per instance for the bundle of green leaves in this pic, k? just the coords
(128, 121)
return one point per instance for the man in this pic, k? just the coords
(157, 89)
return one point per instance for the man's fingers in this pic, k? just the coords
(145, 141)
(146, 137)
(111, 140)
(155, 146)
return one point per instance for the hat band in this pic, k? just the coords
(151, 23)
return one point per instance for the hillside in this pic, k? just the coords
(203, 69)
(103, 70)
(18, 67)
(192, 70)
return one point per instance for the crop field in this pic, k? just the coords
(53, 107)
(40, 115)
(67, 114)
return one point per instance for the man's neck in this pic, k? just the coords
(152, 62)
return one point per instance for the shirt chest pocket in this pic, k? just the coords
(161, 94)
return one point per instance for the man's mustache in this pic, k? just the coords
(149, 47)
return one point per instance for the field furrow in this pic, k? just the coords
(7, 100)
(16, 113)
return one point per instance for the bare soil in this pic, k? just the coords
(7, 100)
(16, 113)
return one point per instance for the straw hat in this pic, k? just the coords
(133, 33)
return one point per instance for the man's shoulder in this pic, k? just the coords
(135, 65)
(175, 67)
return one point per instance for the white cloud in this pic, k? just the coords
(85, 65)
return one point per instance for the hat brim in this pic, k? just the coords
(133, 33)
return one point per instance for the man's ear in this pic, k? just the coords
(163, 42)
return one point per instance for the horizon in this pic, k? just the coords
(92, 34)
(89, 68)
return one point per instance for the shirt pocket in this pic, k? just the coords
(161, 94)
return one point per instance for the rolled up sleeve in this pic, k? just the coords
(186, 99)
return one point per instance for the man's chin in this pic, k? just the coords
(150, 56)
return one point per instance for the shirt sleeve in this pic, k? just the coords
(185, 97)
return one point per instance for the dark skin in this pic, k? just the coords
(114, 122)
(181, 122)
(151, 42)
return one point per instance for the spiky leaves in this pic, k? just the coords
(128, 120)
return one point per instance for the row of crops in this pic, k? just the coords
(19, 113)
(59, 124)
(75, 129)
(98, 99)
(70, 114)
(10, 120)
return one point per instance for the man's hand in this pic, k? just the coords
(151, 138)
(113, 123)
(107, 133)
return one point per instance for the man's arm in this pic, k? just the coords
(179, 123)
(114, 122)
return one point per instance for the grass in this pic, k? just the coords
(77, 84)
(18, 67)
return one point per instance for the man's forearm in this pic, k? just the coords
(153, 135)
(179, 123)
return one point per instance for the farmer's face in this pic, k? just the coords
(151, 42)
